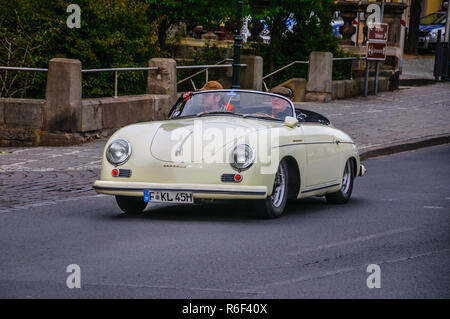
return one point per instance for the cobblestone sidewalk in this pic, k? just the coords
(46, 174)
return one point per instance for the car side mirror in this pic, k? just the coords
(290, 121)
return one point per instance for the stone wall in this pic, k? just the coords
(112, 113)
(63, 118)
(342, 89)
(21, 120)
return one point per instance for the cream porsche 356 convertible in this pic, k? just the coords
(230, 144)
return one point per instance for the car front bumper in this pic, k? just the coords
(198, 190)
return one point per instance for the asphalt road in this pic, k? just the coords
(398, 218)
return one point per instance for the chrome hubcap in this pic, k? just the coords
(346, 178)
(279, 187)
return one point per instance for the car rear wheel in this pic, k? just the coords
(273, 206)
(130, 204)
(343, 195)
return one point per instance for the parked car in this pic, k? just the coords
(429, 28)
(230, 144)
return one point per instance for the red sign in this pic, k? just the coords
(376, 50)
(378, 32)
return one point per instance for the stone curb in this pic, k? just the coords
(417, 82)
(404, 145)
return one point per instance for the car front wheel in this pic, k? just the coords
(273, 206)
(343, 195)
(130, 204)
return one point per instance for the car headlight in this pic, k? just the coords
(242, 157)
(118, 152)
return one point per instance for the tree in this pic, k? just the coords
(112, 33)
(413, 31)
(170, 12)
(311, 28)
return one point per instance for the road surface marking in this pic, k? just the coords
(178, 288)
(325, 274)
(48, 203)
(354, 240)
(50, 169)
(433, 207)
(252, 292)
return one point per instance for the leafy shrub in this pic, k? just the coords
(112, 34)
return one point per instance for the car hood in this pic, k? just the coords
(194, 139)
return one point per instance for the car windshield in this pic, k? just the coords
(434, 18)
(240, 103)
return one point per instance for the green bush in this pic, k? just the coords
(112, 34)
(210, 54)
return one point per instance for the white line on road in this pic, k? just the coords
(100, 284)
(433, 207)
(48, 203)
(178, 288)
(354, 240)
(342, 270)
(50, 169)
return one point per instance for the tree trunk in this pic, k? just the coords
(275, 29)
(413, 32)
(162, 34)
(271, 56)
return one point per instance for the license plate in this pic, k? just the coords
(168, 197)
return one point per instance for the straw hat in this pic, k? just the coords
(284, 91)
(212, 85)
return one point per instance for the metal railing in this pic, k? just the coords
(303, 62)
(205, 69)
(116, 70)
(13, 68)
(280, 69)
(350, 59)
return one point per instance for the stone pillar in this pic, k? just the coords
(348, 13)
(164, 80)
(320, 72)
(251, 75)
(62, 107)
(393, 17)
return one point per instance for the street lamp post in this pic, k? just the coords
(237, 47)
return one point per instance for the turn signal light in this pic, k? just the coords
(115, 172)
(237, 177)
